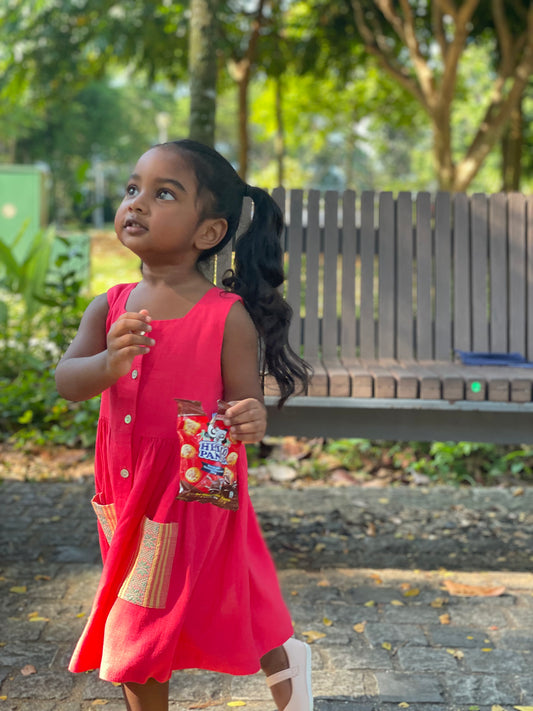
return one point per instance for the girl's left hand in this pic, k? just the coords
(247, 419)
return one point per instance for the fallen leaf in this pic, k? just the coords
(403, 705)
(413, 592)
(236, 703)
(457, 653)
(497, 707)
(369, 603)
(313, 635)
(523, 708)
(326, 621)
(387, 645)
(371, 529)
(80, 614)
(39, 619)
(42, 577)
(474, 707)
(487, 649)
(99, 702)
(397, 603)
(473, 590)
(376, 578)
(438, 602)
(208, 704)
(28, 669)
(405, 586)
(294, 593)
(359, 627)
(323, 584)
(19, 589)
(445, 619)
(3, 698)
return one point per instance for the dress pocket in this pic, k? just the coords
(107, 517)
(148, 579)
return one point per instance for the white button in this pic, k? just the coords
(134, 374)
(127, 419)
(124, 473)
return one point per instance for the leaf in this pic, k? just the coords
(445, 619)
(323, 584)
(99, 702)
(438, 602)
(28, 669)
(369, 603)
(19, 589)
(403, 705)
(312, 636)
(413, 592)
(236, 703)
(326, 621)
(523, 708)
(474, 707)
(43, 577)
(497, 707)
(473, 590)
(397, 603)
(387, 645)
(359, 627)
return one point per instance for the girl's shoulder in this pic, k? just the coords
(119, 293)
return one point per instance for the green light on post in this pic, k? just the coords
(475, 387)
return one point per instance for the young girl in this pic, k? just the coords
(184, 584)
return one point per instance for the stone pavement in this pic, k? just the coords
(364, 573)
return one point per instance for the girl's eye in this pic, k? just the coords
(165, 194)
(131, 190)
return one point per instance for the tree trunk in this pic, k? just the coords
(512, 142)
(279, 140)
(244, 141)
(203, 70)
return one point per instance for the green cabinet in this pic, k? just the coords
(23, 202)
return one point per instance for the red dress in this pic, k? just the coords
(184, 584)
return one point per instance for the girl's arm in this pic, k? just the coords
(93, 361)
(240, 373)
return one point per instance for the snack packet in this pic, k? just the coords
(208, 461)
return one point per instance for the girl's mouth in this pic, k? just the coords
(133, 226)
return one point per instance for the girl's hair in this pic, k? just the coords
(258, 259)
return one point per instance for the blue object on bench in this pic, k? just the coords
(514, 360)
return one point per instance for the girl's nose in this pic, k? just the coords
(138, 203)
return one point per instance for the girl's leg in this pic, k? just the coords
(274, 661)
(152, 696)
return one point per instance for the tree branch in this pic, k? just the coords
(438, 28)
(385, 57)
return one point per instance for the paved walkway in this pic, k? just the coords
(363, 572)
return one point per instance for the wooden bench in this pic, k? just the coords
(384, 290)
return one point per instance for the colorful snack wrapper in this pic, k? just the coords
(208, 461)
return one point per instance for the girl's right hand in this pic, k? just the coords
(126, 339)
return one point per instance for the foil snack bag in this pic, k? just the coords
(208, 456)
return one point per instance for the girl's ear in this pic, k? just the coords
(211, 232)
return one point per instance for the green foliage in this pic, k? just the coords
(41, 304)
(442, 462)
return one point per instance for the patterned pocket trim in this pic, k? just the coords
(107, 517)
(148, 580)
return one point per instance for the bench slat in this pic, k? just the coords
(517, 271)
(367, 332)
(386, 276)
(424, 270)
(499, 330)
(462, 268)
(349, 258)
(529, 276)
(295, 240)
(443, 258)
(480, 334)
(404, 301)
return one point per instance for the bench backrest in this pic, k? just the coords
(375, 276)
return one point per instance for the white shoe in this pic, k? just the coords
(299, 672)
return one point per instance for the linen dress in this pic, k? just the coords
(184, 584)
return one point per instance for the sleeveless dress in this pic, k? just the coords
(184, 584)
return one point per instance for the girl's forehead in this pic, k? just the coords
(165, 163)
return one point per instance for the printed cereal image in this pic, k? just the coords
(208, 456)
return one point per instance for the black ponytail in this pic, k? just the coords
(257, 277)
(258, 272)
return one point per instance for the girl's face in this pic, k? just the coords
(159, 218)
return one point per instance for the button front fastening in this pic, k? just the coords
(127, 419)
(134, 374)
(124, 473)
